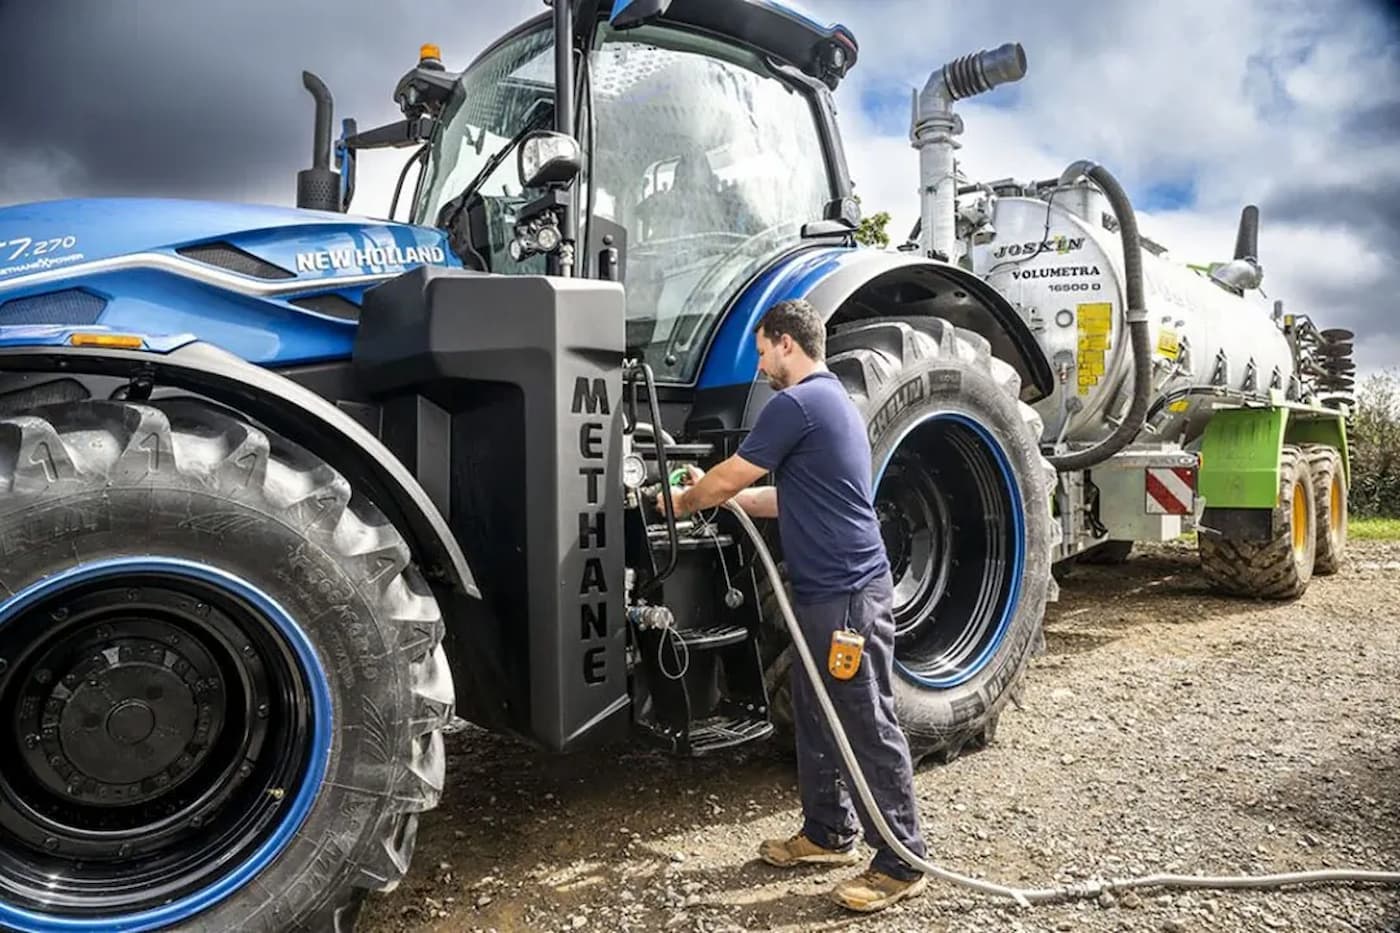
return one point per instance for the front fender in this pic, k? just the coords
(849, 284)
(285, 408)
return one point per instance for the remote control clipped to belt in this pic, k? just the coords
(846, 650)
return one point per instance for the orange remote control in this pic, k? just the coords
(846, 649)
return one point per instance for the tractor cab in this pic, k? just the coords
(706, 145)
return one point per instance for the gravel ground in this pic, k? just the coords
(1166, 729)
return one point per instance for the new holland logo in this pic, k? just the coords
(374, 257)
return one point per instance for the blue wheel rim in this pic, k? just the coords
(995, 481)
(292, 816)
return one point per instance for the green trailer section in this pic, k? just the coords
(1325, 426)
(1241, 446)
(1239, 458)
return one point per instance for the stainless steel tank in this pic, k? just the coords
(1057, 259)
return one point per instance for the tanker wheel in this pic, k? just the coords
(1330, 500)
(963, 498)
(222, 685)
(1280, 567)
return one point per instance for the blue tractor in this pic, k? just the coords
(282, 490)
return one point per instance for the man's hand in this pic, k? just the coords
(693, 475)
(706, 490)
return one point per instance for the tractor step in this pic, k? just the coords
(711, 735)
(682, 453)
(718, 734)
(714, 636)
(658, 536)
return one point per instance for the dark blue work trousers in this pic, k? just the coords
(865, 706)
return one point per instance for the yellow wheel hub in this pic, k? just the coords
(1301, 521)
(1338, 510)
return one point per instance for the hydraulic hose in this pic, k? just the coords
(1023, 896)
(1136, 316)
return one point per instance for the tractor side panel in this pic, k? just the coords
(526, 370)
(1240, 458)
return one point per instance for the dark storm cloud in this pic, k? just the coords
(189, 98)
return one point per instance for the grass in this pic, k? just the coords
(1374, 529)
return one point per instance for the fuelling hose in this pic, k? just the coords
(1023, 896)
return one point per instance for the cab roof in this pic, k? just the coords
(779, 28)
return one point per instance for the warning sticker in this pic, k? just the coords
(1095, 340)
(1168, 343)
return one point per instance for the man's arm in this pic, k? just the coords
(759, 502)
(717, 486)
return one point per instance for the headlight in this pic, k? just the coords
(548, 159)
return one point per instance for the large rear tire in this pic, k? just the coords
(1330, 500)
(218, 655)
(1280, 567)
(964, 499)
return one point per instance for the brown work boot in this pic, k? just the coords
(799, 850)
(874, 890)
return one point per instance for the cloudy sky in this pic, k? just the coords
(1199, 106)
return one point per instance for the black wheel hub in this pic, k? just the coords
(124, 723)
(918, 538)
(155, 723)
(950, 521)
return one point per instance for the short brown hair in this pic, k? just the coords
(800, 321)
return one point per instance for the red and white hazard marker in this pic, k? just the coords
(1171, 490)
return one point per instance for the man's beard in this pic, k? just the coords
(778, 381)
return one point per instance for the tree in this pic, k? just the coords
(871, 231)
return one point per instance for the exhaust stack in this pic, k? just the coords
(933, 126)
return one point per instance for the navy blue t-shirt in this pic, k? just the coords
(812, 439)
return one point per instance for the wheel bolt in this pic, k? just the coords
(197, 822)
(104, 632)
(59, 615)
(133, 595)
(4, 665)
(51, 843)
(31, 741)
(248, 651)
(43, 676)
(262, 710)
(56, 761)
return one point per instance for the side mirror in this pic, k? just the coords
(549, 159)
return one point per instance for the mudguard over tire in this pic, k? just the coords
(219, 654)
(1280, 567)
(1330, 501)
(964, 499)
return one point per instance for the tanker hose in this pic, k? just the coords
(1023, 896)
(1136, 316)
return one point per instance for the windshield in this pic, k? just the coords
(712, 165)
(504, 90)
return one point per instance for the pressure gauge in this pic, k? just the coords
(634, 471)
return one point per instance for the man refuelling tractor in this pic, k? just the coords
(281, 490)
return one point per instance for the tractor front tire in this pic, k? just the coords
(963, 495)
(224, 687)
(1277, 568)
(1330, 498)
